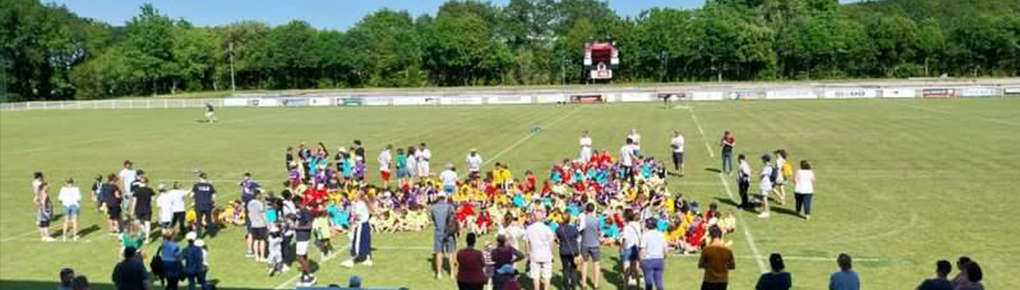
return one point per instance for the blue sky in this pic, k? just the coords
(333, 14)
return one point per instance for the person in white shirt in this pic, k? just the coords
(634, 135)
(585, 146)
(449, 179)
(804, 188)
(540, 239)
(627, 155)
(165, 204)
(361, 241)
(678, 152)
(765, 184)
(743, 181)
(653, 253)
(629, 250)
(127, 176)
(176, 196)
(423, 156)
(70, 201)
(779, 187)
(384, 165)
(474, 164)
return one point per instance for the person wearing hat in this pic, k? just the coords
(194, 262)
(444, 238)
(474, 164)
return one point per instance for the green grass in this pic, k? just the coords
(900, 182)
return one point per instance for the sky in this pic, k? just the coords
(329, 14)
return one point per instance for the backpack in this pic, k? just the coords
(774, 175)
(452, 226)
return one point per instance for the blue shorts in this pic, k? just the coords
(72, 211)
(449, 189)
(402, 173)
(441, 243)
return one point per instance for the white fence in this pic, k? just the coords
(610, 95)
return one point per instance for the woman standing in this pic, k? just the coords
(784, 173)
(629, 250)
(70, 200)
(44, 209)
(653, 253)
(133, 237)
(804, 188)
(470, 266)
(361, 243)
(726, 144)
(169, 253)
(777, 279)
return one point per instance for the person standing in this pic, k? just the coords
(717, 260)
(359, 151)
(590, 246)
(423, 155)
(567, 237)
(539, 240)
(504, 254)
(784, 170)
(804, 188)
(678, 152)
(70, 201)
(194, 264)
(143, 204)
(210, 114)
(743, 181)
(401, 164)
(129, 274)
(361, 243)
(412, 162)
(449, 179)
(846, 278)
(96, 192)
(443, 236)
(205, 200)
(303, 234)
(778, 279)
(630, 248)
(627, 155)
(636, 137)
(259, 226)
(941, 281)
(474, 164)
(248, 189)
(653, 255)
(586, 144)
(169, 253)
(385, 158)
(726, 145)
(111, 191)
(127, 176)
(765, 184)
(44, 209)
(176, 196)
(470, 266)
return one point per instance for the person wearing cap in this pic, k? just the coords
(70, 201)
(385, 158)
(539, 242)
(205, 201)
(474, 164)
(194, 263)
(717, 260)
(441, 213)
(169, 253)
(66, 277)
(423, 156)
(653, 255)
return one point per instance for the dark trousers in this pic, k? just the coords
(743, 186)
(713, 286)
(803, 201)
(171, 283)
(178, 220)
(204, 215)
(196, 277)
(285, 250)
(571, 277)
(677, 160)
(470, 286)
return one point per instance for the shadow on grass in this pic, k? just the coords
(95, 285)
(774, 208)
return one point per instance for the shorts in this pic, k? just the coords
(449, 189)
(631, 254)
(259, 234)
(43, 219)
(385, 175)
(541, 270)
(678, 157)
(301, 248)
(113, 213)
(441, 243)
(209, 114)
(72, 211)
(143, 216)
(402, 173)
(591, 253)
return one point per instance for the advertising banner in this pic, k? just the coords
(706, 96)
(295, 102)
(266, 102)
(413, 101)
(461, 100)
(747, 94)
(320, 102)
(375, 101)
(790, 95)
(850, 93)
(510, 100)
(940, 93)
(1012, 91)
(635, 97)
(236, 102)
(550, 99)
(899, 93)
(979, 92)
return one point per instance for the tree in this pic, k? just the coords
(385, 50)
(895, 38)
(149, 47)
(931, 43)
(291, 58)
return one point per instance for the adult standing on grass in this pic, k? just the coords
(169, 253)
(940, 282)
(205, 200)
(630, 248)
(97, 190)
(194, 264)
(176, 196)
(653, 255)
(143, 205)
(567, 237)
(505, 254)
(385, 158)
(591, 250)
(129, 274)
(443, 237)
(778, 279)
(743, 181)
(361, 243)
(765, 183)
(248, 189)
(804, 188)
(127, 176)
(423, 156)
(449, 179)
(70, 201)
(627, 155)
(259, 226)
(717, 260)
(210, 114)
(470, 266)
(785, 171)
(111, 191)
(846, 278)
(585, 146)
(44, 209)
(726, 145)
(636, 137)
(474, 164)
(303, 234)
(540, 239)
(678, 152)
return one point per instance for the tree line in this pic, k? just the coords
(47, 52)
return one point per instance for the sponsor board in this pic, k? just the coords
(899, 93)
(747, 94)
(707, 96)
(265, 102)
(509, 100)
(850, 93)
(320, 102)
(671, 96)
(550, 99)
(295, 102)
(635, 97)
(790, 95)
(375, 101)
(461, 100)
(1012, 91)
(587, 99)
(979, 92)
(940, 93)
(238, 102)
(413, 101)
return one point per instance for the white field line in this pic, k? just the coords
(22, 235)
(787, 258)
(702, 131)
(525, 138)
(286, 284)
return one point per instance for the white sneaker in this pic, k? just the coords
(285, 269)
(368, 263)
(48, 239)
(764, 214)
(347, 264)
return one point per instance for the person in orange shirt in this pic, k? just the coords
(717, 260)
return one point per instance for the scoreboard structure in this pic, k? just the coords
(600, 59)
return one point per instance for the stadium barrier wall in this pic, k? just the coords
(549, 96)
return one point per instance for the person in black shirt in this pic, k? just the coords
(303, 232)
(143, 203)
(940, 282)
(777, 279)
(97, 190)
(358, 150)
(113, 195)
(129, 274)
(289, 158)
(567, 236)
(205, 199)
(210, 113)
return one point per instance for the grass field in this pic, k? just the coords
(901, 183)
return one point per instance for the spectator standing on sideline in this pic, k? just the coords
(127, 177)
(630, 248)
(567, 236)
(726, 145)
(205, 200)
(194, 264)
(169, 253)
(678, 152)
(70, 201)
(941, 281)
(129, 274)
(743, 181)
(846, 278)
(470, 266)
(166, 212)
(113, 196)
(591, 250)
(259, 226)
(97, 190)
(176, 197)
(443, 240)
(804, 188)
(504, 255)
(66, 278)
(44, 209)
(248, 189)
(303, 234)
(143, 204)
(717, 260)
(765, 183)
(777, 279)
(540, 238)
(653, 255)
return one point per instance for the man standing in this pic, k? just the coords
(474, 164)
(717, 260)
(303, 229)
(358, 150)
(423, 156)
(384, 165)
(590, 246)
(636, 137)
(129, 274)
(585, 146)
(627, 155)
(194, 264)
(259, 227)
(540, 238)
(143, 204)
(940, 282)
(678, 152)
(249, 188)
(70, 201)
(127, 177)
(443, 238)
(449, 179)
(205, 200)
(176, 200)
